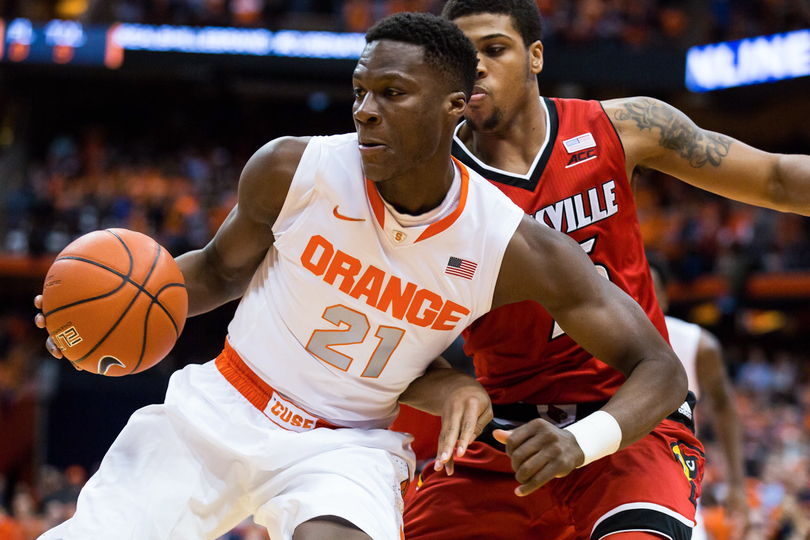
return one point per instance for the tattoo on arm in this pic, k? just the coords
(677, 131)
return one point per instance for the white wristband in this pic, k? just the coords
(598, 435)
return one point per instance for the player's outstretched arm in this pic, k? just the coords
(221, 271)
(546, 266)
(714, 384)
(659, 136)
(459, 399)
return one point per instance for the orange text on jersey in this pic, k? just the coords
(419, 307)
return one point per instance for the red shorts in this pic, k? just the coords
(650, 486)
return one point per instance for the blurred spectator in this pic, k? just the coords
(9, 528)
(773, 404)
(178, 199)
(701, 233)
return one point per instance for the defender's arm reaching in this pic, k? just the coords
(659, 136)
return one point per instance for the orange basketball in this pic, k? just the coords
(114, 302)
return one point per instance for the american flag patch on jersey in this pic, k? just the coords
(460, 267)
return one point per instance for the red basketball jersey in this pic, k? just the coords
(577, 185)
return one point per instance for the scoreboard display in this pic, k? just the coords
(58, 42)
(70, 42)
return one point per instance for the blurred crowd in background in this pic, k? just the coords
(631, 23)
(85, 182)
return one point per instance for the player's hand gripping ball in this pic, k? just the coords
(114, 302)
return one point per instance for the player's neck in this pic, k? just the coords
(420, 189)
(513, 146)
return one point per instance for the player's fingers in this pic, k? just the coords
(537, 481)
(530, 430)
(501, 435)
(447, 438)
(450, 467)
(539, 445)
(38, 301)
(531, 465)
(469, 423)
(39, 320)
(52, 348)
(483, 420)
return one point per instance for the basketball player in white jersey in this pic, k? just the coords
(702, 356)
(359, 258)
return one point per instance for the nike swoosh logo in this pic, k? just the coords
(345, 218)
(107, 362)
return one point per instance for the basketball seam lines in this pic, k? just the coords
(146, 320)
(124, 282)
(148, 310)
(143, 345)
(140, 290)
(156, 300)
(127, 279)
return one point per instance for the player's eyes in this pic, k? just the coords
(495, 50)
(392, 92)
(358, 92)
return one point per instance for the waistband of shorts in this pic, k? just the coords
(252, 387)
(512, 415)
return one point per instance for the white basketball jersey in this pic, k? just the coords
(349, 307)
(685, 338)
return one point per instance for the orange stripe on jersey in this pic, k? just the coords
(377, 205)
(251, 386)
(443, 224)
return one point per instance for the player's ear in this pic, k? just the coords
(535, 52)
(456, 104)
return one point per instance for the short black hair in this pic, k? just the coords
(658, 263)
(524, 13)
(447, 49)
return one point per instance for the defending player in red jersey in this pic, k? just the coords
(568, 164)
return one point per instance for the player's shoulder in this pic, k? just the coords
(632, 112)
(578, 115)
(266, 177)
(277, 154)
(284, 153)
(332, 147)
(578, 108)
(337, 141)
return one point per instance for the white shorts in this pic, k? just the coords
(206, 459)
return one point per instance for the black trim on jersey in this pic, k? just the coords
(693, 448)
(616, 131)
(681, 418)
(463, 155)
(643, 519)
